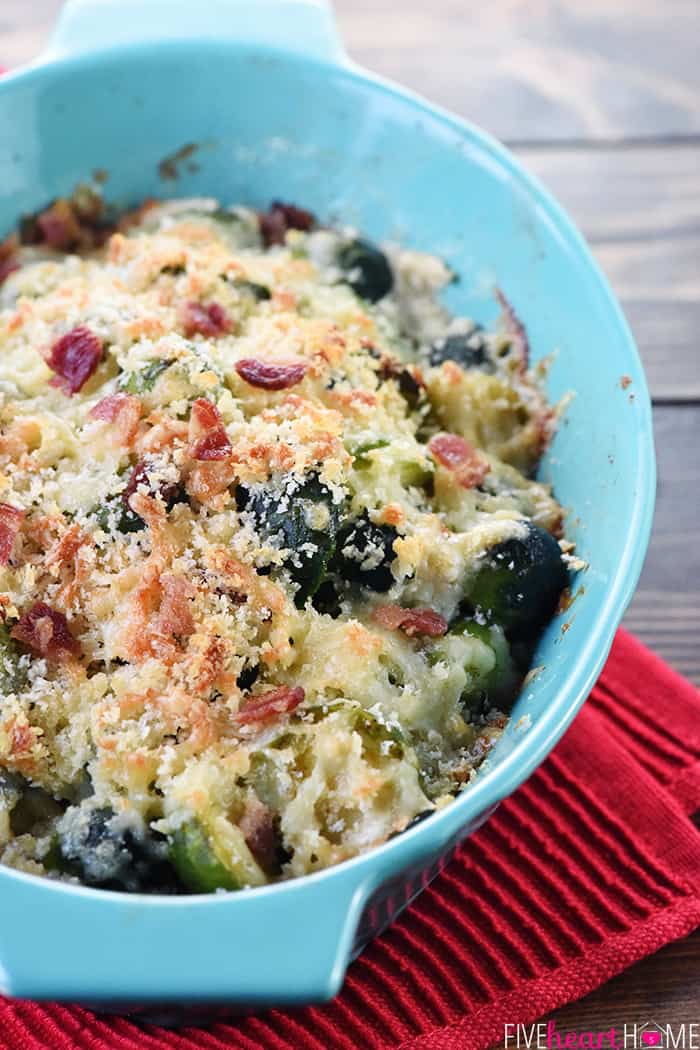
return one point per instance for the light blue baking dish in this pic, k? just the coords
(276, 109)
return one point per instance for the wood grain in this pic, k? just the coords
(544, 69)
(639, 208)
(665, 612)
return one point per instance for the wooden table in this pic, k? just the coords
(601, 99)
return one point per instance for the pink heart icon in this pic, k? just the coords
(651, 1038)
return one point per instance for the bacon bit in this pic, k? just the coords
(208, 437)
(46, 631)
(66, 548)
(210, 321)
(209, 483)
(59, 226)
(175, 613)
(74, 358)
(392, 514)
(410, 621)
(8, 260)
(624, 380)
(168, 491)
(279, 218)
(124, 410)
(258, 830)
(468, 466)
(515, 329)
(270, 376)
(267, 706)
(10, 524)
(164, 433)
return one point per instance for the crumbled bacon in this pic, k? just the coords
(124, 411)
(8, 257)
(268, 706)
(410, 621)
(168, 491)
(210, 321)
(258, 830)
(208, 437)
(46, 631)
(74, 357)
(515, 329)
(59, 226)
(467, 465)
(10, 523)
(279, 218)
(175, 613)
(268, 375)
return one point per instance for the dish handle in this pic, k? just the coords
(305, 27)
(282, 944)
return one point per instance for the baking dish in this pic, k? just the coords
(254, 100)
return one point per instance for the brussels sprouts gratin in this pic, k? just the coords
(272, 561)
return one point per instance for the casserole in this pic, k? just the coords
(268, 106)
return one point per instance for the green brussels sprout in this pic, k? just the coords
(204, 863)
(366, 269)
(500, 682)
(115, 513)
(468, 349)
(94, 844)
(303, 519)
(364, 553)
(143, 380)
(259, 292)
(520, 581)
(13, 675)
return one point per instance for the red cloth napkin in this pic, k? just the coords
(591, 865)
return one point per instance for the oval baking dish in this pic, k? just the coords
(251, 101)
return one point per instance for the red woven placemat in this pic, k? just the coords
(591, 865)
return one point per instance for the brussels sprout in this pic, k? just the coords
(520, 581)
(366, 269)
(13, 675)
(499, 683)
(143, 380)
(364, 553)
(114, 513)
(468, 349)
(33, 807)
(205, 864)
(303, 519)
(259, 292)
(93, 844)
(360, 457)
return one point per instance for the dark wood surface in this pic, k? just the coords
(601, 100)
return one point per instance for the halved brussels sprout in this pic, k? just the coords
(143, 380)
(498, 682)
(13, 676)
(366, 269)
(520, 581)
(364, 553)
(209, 858)
(98, 846)
(468, 349)
(303, 519)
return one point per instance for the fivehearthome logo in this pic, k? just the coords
(647, 1036)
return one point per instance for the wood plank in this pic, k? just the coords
(660, 986)
(665, 612)
(571, 69)
(546, 69)
(639, 208)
